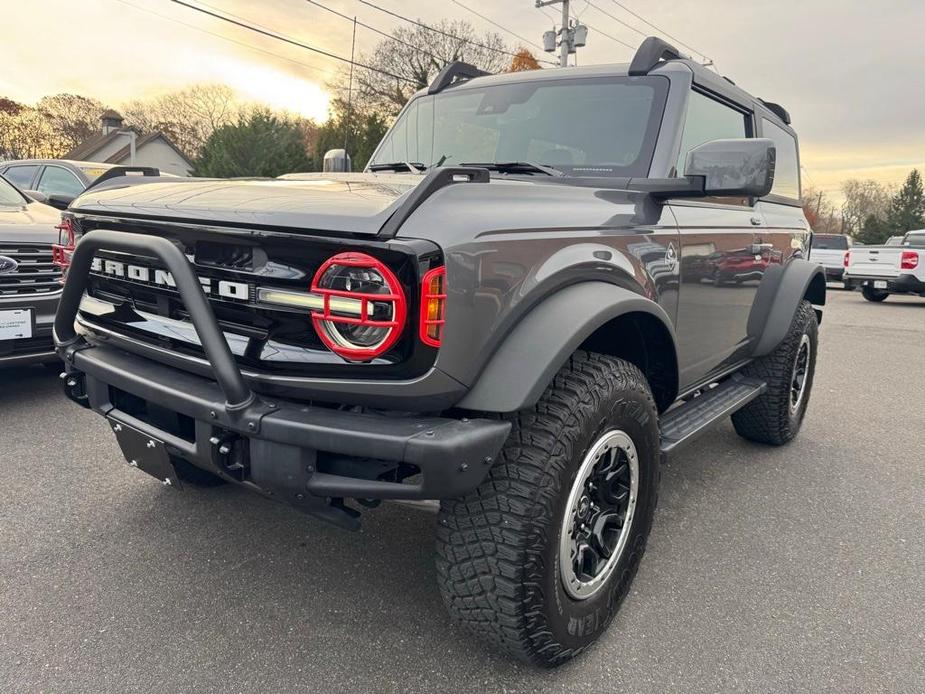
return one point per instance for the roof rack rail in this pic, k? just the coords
(650, 53)
(777, 110)
(119, 171)
(452, 73)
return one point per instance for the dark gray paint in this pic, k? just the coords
(513, 244)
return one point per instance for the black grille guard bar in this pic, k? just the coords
(238, 395)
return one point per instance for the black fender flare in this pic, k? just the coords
(539, 345)
(777, 300)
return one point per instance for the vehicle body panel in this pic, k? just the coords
(348, 203)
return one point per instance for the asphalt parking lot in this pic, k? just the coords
(769, 570)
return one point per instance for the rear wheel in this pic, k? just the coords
(775, 416)
(875, 295)
(538, 559)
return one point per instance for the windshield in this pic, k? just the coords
(830, 241)
(9, 195)
(583, 127)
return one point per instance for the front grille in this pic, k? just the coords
(35, 273)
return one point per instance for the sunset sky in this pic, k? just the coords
(849, 71)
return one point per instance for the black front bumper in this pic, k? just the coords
(310, 456)
(286, 444)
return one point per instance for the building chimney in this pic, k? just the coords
(111, 121)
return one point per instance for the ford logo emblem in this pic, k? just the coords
(7, 264)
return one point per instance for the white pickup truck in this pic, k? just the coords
(831, 252)
(883, 270)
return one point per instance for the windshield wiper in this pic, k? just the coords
(517, 167)
(410, 166)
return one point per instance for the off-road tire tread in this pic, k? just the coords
(489, 542)
(767, 418)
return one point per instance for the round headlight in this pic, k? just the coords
(364, 306)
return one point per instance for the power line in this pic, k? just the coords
(378, 31)
(225, 38)
(616, 19)
(498, 26)
(286, 39)
(434, 29)
(612, 38)
(661, 31)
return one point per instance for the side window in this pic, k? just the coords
(58, 181)
(787, 168)
(708, 119)
(20, 176)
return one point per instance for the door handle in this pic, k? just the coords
(756, 221)
(757, 248)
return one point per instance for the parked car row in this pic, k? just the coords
(30, 280)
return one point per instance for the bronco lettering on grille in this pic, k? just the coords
(162, 278)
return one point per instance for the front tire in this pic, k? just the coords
(875, 295)
(775, 416)
(537, 560)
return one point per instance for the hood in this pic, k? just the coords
(350, 202)
(32, 222)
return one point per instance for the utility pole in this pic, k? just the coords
(353, 47)
(570, 38)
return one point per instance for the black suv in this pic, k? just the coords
(543, 283)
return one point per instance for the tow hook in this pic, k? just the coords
(75, 387)
(229, 453)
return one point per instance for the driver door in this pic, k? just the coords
(721, 265)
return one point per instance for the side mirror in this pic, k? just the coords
(60, 201)
(36, 195)
(336, 160)
(734, 168)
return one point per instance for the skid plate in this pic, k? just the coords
(144, 452)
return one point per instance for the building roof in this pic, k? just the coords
(88, 148)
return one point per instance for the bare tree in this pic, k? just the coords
(188, 117)
(27, 135)
(863, 199)
(412, 58)
(72, 119)
(821, 214)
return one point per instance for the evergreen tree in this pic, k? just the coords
(258, 144)
(361, 134)
(907, 208)
(874, 231)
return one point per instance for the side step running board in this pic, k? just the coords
(686, 422)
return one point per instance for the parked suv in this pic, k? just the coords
(494, 315)
(30, 284)
(53, 180)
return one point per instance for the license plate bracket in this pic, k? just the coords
(145, 452)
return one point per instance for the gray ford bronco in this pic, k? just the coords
(543, 283)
